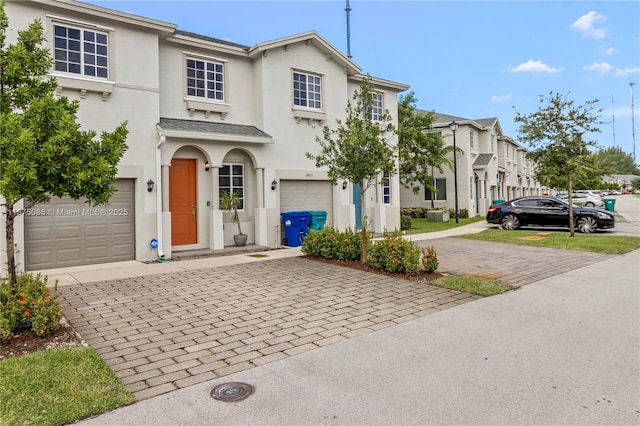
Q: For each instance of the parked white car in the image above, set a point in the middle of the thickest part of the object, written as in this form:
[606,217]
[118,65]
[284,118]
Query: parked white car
[584,199]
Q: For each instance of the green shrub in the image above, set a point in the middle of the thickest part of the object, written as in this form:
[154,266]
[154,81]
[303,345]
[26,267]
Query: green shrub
[394,254]
[462,213]
[405,221]
[28,308]
[332,244]
[430,259]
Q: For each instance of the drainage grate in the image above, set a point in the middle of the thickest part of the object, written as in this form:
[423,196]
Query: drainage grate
[232,391]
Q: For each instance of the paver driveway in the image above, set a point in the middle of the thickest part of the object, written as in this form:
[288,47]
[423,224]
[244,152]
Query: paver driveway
[163,332]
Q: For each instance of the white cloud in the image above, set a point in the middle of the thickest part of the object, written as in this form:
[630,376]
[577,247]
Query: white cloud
[500,98]
[600,67]
[627,71]
[587,25]
[535,67]
[609,51]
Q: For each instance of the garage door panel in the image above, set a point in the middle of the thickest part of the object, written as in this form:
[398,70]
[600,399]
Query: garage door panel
[73,233]
[67,255]
[122,250]
[122,229]
[297,195]
[93,253]
[39,234]
[67,232]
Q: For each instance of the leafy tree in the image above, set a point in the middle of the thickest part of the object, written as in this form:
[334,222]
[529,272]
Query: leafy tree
[635,184]
[43,152]
[421,150]
[358,149]
[615,161]
[556,133]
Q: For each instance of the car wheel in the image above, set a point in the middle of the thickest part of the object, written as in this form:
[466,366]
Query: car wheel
[590,204]
[510,222]
[587,225]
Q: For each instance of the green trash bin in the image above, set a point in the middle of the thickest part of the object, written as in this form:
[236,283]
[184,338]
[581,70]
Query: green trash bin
[500,201]
[610,204]
[318,219]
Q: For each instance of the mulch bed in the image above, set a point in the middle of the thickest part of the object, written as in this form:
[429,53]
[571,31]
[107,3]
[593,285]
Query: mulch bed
[64,337]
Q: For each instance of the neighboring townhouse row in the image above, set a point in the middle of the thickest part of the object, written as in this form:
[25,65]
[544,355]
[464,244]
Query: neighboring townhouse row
[492,167]
[623,181]
[205,116]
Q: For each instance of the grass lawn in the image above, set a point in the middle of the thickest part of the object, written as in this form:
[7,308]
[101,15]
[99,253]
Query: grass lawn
[58,386]
[421,225]
[473,285]
[613,244]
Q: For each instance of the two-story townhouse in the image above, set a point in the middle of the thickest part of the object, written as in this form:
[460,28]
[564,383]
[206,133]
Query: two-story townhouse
[475,164]
[491,166]
[205,116]
[107,61]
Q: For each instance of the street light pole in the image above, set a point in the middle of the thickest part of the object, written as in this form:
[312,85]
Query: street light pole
[454,127]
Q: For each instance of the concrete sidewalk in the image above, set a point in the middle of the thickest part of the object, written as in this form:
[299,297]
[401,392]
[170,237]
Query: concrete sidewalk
[560,351]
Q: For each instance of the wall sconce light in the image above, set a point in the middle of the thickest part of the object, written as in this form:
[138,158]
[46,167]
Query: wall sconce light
[344,184]
[206,166]
[150,184]
[274,185]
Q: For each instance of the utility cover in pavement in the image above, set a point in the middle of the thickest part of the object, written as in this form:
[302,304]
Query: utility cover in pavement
[232,391]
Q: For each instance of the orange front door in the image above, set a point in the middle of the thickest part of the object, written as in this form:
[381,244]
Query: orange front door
[182,202]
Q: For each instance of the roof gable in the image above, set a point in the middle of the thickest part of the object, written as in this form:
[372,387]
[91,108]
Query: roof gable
[310,38]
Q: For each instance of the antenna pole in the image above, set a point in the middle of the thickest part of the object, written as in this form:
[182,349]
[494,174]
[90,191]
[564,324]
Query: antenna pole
[613,121]
[633,125]
[348,10]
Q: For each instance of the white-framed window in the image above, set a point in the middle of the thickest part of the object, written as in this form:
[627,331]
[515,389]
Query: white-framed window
[386,189]
[441,190]
[471,132]
[78,50]
[374,112]
[205,79]
[231,179]
[307,90]
[493,137]
[471,188]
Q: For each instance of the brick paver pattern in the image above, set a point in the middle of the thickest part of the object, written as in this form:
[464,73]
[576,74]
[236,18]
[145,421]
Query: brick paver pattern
[163,332]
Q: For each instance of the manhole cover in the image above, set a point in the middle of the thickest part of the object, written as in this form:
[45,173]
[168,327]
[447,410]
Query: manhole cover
[231,392]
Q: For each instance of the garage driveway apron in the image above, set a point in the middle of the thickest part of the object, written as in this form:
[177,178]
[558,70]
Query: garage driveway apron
[163,332]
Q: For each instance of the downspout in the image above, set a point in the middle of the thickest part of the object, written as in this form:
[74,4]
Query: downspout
[159,192]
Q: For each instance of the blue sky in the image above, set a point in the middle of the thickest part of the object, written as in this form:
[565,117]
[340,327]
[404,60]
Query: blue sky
[474,59]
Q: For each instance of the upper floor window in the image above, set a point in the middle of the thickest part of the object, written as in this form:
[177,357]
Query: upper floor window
[386,189]
[205,79]
[81,51]
[306,90]
[374,112]
[493,137]
[231,179]
[471,132]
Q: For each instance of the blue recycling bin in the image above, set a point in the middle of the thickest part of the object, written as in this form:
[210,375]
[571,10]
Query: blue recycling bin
[318,219]
[296,226]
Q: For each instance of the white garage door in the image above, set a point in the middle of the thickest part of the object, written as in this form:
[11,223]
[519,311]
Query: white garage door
[298,195]
[66,232]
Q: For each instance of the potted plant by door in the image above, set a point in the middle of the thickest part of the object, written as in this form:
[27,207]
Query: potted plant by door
[230,202]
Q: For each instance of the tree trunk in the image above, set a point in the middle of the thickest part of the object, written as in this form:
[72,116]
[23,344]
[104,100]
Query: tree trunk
[11,252]
[363,231]
[570,199]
